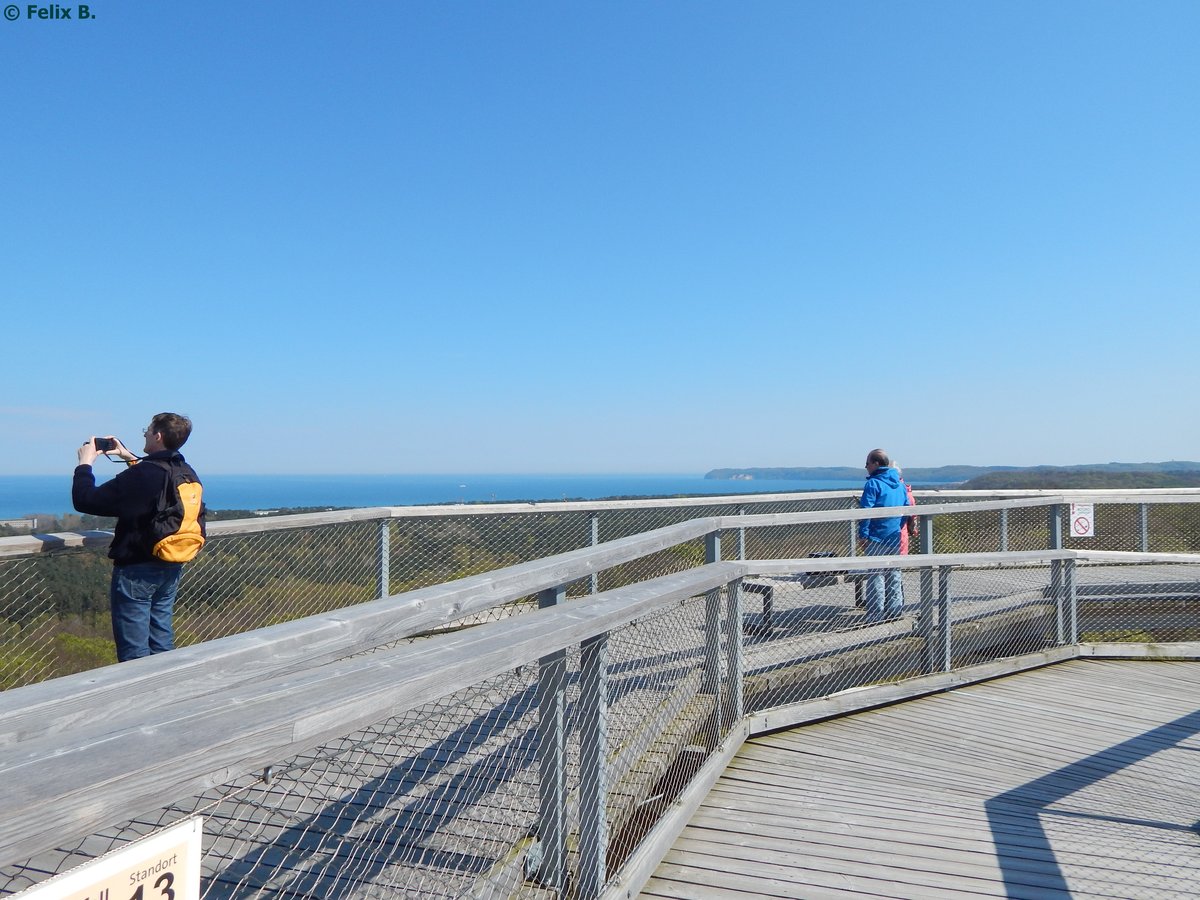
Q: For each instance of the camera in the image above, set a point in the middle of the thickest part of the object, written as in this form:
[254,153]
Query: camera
[104,445]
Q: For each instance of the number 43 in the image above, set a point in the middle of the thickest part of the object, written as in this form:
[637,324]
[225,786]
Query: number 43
[164,882]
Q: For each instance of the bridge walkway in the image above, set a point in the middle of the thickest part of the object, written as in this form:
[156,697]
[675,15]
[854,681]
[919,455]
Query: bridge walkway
[1074,780]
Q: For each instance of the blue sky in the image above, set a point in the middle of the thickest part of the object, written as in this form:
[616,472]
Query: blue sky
[603,237]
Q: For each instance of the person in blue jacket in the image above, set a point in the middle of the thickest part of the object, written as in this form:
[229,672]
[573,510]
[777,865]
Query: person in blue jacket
[881,537]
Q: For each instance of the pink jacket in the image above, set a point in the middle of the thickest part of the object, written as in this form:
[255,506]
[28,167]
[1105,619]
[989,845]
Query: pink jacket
[912,522]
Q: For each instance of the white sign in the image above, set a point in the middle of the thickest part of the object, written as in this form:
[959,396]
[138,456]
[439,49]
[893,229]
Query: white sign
[1083,521]
[163,866]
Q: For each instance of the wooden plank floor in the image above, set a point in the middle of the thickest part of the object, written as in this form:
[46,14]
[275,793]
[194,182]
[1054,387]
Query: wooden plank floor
[1080,779]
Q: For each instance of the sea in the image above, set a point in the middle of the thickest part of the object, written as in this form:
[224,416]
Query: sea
[25,495]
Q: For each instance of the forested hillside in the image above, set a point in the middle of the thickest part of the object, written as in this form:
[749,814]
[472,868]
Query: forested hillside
[1004,476]
[1073,479]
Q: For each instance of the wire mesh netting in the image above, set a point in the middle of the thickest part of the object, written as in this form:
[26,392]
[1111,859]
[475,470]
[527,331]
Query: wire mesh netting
[1147,602]
[512,784]
[421,804]
[991,531]
[664,718]
[449,797]
[28,643]
[244,582]
[952,616]
[54,606]
[433,550]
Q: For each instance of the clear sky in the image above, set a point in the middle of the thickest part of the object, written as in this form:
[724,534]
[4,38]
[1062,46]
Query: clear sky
[651,236]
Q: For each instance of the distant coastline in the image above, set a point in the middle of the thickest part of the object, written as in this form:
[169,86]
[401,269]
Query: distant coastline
[25,495]
[940,475]
[1173,473]
[50,495]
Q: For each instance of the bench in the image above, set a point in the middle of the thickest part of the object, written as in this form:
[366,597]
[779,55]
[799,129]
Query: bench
[804,579]
[767,592]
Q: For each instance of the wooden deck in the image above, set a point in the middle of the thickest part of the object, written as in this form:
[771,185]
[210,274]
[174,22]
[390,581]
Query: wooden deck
[1074,780]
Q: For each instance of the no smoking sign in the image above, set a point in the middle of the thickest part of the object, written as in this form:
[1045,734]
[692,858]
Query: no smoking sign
[1083,520]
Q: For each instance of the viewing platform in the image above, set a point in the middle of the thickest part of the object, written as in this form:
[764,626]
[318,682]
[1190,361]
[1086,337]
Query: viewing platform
[588,700]
[1073,780]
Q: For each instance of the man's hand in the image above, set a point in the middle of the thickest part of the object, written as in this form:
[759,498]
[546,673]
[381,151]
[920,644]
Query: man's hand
[87,453]
[862,545]
[123,451]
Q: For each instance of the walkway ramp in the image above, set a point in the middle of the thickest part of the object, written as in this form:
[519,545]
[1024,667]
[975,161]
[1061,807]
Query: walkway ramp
[1074,780]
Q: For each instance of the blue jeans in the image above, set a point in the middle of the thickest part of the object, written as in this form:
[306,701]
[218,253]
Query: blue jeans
[884,590]
[142,599]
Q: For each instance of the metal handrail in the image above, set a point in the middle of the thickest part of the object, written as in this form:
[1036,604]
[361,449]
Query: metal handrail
[26,545]
[191,738]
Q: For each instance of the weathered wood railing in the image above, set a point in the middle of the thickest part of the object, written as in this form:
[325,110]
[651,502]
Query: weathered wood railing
[260,571]
[108,757]
[85,750]
[33,544]
[294,646]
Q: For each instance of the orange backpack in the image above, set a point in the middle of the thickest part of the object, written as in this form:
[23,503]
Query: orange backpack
[177,527]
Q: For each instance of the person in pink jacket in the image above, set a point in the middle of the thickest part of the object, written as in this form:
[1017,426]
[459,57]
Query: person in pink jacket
[909,531]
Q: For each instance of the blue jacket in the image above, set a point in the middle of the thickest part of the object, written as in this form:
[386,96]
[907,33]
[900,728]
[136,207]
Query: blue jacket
[883,488]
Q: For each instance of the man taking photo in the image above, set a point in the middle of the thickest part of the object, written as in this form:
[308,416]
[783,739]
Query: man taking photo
[143,587]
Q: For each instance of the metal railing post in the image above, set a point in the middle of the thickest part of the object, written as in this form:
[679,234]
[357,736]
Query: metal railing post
[1145,523]
[594,578]
[384,559]
[712,547]
[1071,602]
[925,621]
[552,758]
[741,551]
[593,767]
[1060,612]
[945,622]
[735,701]
[1056,521]
[1056,543]
[853,539]
[926,537]
[712,621]
[1004,531]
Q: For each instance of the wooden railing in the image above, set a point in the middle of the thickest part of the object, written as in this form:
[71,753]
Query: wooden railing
[82,752]
[26,545]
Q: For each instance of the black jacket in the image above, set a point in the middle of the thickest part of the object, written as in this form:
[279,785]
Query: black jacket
[131,497]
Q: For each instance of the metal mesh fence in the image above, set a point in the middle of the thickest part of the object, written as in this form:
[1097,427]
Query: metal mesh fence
[426,551]
[450,798]
[664,719]
[244,582]
[1173,528]
[992,531]
[27,638]
[1131,527]
[1143,603]
[797,625]
[807,635]
[421,804]
[992,613]
[447,800]
[53,607]
[795,541]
